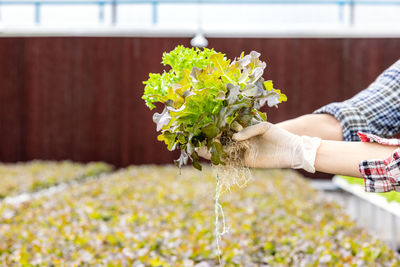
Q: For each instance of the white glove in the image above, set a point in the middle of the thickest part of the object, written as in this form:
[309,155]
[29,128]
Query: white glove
[273,147]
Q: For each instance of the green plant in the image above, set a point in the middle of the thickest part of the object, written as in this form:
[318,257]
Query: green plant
[36,175]
[207,98]
[151,216]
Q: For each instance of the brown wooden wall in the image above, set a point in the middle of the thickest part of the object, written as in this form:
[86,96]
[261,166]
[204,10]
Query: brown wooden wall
[79,98]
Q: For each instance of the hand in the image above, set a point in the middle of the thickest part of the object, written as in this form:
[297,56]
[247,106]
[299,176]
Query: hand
[273,147]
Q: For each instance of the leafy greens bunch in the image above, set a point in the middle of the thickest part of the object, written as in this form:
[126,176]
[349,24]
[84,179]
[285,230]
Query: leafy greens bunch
[207,99]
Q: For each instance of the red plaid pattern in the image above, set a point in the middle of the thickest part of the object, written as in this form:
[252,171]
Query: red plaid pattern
[381,175]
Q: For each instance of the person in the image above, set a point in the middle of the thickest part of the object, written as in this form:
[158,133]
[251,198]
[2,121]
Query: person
[348,138]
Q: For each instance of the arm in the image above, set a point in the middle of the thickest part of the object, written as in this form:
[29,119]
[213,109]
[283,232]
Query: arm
[337,157]
[329,127]
[374,110]
[274,147]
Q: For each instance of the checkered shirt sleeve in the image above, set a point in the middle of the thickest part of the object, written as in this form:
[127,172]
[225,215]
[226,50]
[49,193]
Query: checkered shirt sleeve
[381,175]
[374,110]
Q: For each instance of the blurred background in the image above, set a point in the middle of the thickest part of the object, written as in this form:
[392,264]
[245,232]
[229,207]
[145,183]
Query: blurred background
[71,71]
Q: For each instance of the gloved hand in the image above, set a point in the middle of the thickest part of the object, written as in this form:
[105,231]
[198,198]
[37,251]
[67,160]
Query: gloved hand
[274,147]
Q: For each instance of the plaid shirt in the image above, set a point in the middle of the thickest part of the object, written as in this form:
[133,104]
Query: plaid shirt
[381,175]
[374,110]
[371,113]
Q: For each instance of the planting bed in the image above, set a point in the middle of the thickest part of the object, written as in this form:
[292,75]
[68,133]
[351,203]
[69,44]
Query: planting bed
[152,216]
[389,196]
[379,212]
[32,176]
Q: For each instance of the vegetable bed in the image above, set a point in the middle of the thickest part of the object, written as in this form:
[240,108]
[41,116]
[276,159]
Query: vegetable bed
[32,176]
[379,212]
[152,216]
[389,196]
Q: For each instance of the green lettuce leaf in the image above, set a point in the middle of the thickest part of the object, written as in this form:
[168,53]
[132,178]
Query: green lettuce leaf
[206,96]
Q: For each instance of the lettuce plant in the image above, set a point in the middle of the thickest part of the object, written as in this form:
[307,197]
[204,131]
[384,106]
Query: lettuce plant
[207,98]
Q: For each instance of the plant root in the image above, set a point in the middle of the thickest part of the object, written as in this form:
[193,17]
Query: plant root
[233,173]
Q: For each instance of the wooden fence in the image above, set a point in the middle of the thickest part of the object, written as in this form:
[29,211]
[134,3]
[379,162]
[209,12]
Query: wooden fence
[79,98]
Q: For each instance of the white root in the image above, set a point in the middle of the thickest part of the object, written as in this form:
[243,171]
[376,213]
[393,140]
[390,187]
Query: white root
[233,173]
[219,212]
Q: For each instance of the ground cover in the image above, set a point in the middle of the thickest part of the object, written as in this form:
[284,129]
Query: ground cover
[34,175]
[390,196]
[154,216]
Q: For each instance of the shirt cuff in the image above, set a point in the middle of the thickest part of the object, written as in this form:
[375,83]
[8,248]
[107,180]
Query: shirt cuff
[381,176]
[349,117]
